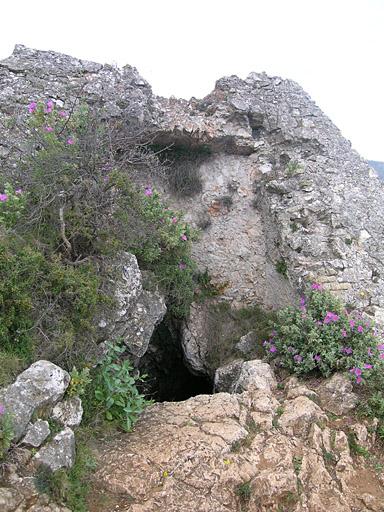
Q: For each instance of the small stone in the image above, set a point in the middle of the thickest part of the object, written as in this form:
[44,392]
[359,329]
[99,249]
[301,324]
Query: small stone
[60,452]
[37,433]
[336,395]
[255,375]
[69,412]
[226,376]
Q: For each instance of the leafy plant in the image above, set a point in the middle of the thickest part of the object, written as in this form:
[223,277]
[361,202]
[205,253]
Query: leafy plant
[116,391]
[12,204]
[6,431]
[79,381]
[244,491]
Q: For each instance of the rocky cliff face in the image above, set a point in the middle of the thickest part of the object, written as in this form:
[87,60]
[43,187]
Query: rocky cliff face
[279,188]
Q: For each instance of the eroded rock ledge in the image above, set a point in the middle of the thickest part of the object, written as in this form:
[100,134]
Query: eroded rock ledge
[265,449]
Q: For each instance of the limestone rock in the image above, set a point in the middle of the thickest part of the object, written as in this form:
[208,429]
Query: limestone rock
[42,384]
[69,412]
[226,376]
[336,394]
[247,343]
[37,433]
[299,414]
[58,453]
[255,375]
[137,312]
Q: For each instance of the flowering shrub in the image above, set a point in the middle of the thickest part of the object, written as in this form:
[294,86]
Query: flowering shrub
[6,431]
[320,334]
[12,203]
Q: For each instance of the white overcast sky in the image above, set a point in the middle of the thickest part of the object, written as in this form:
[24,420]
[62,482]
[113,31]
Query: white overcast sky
[332,48]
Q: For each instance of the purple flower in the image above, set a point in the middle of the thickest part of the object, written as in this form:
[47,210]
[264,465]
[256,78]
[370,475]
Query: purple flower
[63,114]
[357,371]
[32,107]
[290,349]
[344,333]
[272,348]
[3,198]
[184,237]
[368,366]
[298,358]
[351,324]
[265,343]
[48,129]
[302,301]
[359,380]
[360,328]
[48,107]
[316,286]
[369,351]
[346,350]
[70,141]
[380,346]
[317,358]
[381,356]
[174,220]
[2,409]
[182,265]
[18,191]
[148,191]
[331,317]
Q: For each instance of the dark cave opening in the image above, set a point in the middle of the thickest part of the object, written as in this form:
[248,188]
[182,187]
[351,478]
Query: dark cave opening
[168,377]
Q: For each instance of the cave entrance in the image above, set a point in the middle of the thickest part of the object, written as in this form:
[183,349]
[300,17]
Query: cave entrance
[168,377]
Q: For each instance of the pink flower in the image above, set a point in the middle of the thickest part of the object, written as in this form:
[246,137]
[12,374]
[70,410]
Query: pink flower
[316,286]
[380,346]
[70,141]
[184,237]
[381,356]
[32,107]
[18,191]
[330,317]
[360,328]
[148,191]
[368,366]
[357,371]
[48,129]
[48,107]
[298,358]
[273,348]
[174,220]
[351,324]
[302,301]
[359,380]
[63,114]
[3,198]
[2,409]
[347,350]
[344,333]
[317,358]
[369,351]
[182,265]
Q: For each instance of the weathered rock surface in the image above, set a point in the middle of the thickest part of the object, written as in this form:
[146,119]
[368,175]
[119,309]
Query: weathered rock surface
[278,180]
[137,311]
[257,450]
[37,433]
[69,412]
[336,395]
[58,453]
[42,384]
[240,376]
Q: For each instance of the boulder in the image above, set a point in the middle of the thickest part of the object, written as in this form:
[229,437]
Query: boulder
[69,412]
[255,375]
[37,433]
[42,384]
[336,394]
[58,453]
[137,311]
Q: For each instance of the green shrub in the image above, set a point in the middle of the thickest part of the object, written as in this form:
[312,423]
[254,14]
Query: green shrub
[79,382]
[6,431]
[322,335]
[115,390]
